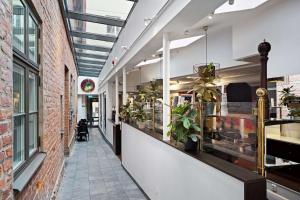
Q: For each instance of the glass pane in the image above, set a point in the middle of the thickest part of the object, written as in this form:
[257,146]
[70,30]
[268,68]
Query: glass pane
[32,39]
[18,85]
[32,92]
[112,8]
[18,156]
[18,25]
[93,42]
[32,133]
[96,28]
[92,52]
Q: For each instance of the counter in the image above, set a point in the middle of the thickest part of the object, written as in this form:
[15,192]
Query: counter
[165,171]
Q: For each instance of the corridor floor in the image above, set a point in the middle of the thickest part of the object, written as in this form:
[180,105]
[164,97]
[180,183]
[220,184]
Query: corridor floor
[93,172]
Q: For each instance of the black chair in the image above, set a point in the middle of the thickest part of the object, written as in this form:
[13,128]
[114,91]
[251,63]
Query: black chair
[82,131]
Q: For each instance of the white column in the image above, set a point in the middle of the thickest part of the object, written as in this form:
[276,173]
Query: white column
[102,112]
[124,86]
[166,86]
[117,99]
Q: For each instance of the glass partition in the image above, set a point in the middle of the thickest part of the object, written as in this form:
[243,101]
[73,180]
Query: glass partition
[230,132]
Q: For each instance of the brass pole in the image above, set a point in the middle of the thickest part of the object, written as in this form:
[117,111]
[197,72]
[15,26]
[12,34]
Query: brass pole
[262,94]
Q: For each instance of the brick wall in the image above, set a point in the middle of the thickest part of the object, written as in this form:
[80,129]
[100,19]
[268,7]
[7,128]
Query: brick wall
[5,100]
[55,55]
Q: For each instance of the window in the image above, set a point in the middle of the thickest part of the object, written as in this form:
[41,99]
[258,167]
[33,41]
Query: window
[25,32]
[19,25]
[25,85]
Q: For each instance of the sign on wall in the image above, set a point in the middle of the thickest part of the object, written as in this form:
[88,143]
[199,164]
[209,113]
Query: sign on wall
[87,85]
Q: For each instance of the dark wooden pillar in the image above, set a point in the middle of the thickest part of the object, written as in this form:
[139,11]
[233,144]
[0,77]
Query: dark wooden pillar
[264,48]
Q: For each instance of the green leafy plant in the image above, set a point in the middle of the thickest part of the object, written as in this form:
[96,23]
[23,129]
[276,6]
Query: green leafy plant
[204,86]
[286,94]
[153,93]
[139,114]
[183,123]
[126,112]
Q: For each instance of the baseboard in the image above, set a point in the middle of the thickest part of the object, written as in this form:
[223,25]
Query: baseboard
[58,182]
[136,183]
[105,139]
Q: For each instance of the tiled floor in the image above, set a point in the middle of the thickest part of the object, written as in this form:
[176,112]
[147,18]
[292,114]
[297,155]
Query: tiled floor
[93,172]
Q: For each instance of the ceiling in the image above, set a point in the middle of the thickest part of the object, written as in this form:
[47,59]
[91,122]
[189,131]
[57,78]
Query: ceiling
[93,28]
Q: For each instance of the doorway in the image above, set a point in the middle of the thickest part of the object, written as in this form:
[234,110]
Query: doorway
[92,111]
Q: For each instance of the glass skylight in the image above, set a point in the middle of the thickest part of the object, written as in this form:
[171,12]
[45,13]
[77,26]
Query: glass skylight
[94,26]
[175,44]
[239,5]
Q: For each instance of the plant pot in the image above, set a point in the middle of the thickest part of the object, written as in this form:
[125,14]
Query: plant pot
[190,145]
[141,125]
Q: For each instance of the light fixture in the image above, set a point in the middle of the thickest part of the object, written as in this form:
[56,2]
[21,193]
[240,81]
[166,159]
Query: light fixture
[125,48]
[147,21]
[175,44]
[238,5]
[210,16]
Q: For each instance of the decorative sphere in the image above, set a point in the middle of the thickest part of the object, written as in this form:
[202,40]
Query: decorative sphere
[264,48]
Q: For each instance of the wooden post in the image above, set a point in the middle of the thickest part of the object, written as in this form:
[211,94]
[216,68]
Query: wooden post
[264,48]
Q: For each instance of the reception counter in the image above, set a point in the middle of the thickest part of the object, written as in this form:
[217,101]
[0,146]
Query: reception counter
[166,172]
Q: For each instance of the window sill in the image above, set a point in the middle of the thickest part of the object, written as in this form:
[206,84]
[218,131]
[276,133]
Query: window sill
[24,178]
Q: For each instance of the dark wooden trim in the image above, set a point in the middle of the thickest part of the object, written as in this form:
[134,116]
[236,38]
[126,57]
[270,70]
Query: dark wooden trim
[136,183]
[117,139]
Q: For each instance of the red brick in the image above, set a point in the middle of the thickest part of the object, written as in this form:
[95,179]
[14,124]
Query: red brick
[7,165]
[3,128]
[7,140]
[9,152]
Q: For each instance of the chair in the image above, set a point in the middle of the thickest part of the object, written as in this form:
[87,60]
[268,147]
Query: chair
[82,131]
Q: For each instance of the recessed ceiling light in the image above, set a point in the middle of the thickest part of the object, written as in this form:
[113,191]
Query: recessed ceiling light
[210,16]
[239,5]
[175,44]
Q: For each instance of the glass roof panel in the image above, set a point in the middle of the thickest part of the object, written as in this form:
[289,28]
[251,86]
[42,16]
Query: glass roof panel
[90,27]
[95,25]
[92,52]
[112,8]
[90,59]
[93,42]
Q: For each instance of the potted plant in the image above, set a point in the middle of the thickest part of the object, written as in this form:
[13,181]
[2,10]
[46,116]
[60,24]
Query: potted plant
[139,114]
[153,93]
[289,99]
[126,112]
[286,95]
[205,88]
[183,126]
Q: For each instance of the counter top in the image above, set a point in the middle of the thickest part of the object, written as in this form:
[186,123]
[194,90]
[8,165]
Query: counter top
[235,171]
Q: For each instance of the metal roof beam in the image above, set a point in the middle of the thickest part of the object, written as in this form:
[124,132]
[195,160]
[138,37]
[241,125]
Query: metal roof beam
[95,18]
[94,36]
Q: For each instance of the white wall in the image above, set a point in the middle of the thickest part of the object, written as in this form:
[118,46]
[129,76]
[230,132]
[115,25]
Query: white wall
[81,114]
[279,25]
[165,173]
[183,59]
[80,91]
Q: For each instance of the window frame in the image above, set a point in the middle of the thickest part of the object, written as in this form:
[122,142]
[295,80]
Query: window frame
[22,60]
[25,56]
